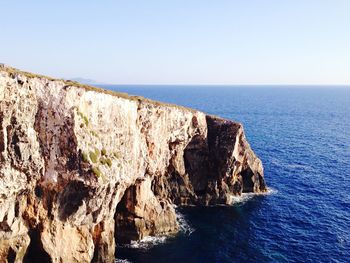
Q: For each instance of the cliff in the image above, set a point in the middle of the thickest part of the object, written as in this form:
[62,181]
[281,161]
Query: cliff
[83,168]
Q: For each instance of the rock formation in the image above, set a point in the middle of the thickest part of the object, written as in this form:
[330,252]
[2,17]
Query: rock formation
[82,168]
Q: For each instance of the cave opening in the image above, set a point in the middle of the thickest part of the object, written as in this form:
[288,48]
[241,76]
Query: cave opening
[196,157]
[247,177]
[125,229]
[36,252]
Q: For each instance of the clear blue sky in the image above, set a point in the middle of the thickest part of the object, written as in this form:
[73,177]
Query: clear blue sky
[180,41]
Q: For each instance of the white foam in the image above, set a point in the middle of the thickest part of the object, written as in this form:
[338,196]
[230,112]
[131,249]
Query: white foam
[151,241]
[244,197]
[270,191]
[143,244]
[147,242]
[234,199]
[184,225]
[119,260]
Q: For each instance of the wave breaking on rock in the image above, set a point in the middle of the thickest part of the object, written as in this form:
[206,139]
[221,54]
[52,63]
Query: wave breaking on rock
[82,168]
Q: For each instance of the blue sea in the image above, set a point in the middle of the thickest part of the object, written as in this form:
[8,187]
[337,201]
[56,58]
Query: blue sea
[302,135]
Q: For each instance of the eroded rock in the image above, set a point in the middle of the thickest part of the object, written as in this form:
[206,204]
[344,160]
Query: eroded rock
[81,168]
[140,213]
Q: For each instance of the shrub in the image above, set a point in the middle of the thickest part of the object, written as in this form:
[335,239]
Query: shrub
[96,171]
[94,133]
[109,162]
[85,119]
[106,161]
[93,156]
[117,155]
[103,151]
[85,157]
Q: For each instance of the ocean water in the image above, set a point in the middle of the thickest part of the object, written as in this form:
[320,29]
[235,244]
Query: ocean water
[302,136]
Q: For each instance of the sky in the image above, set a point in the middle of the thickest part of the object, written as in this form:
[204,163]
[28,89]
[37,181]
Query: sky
[180,41]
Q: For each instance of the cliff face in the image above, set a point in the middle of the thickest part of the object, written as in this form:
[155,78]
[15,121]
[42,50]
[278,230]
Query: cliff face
[81,169]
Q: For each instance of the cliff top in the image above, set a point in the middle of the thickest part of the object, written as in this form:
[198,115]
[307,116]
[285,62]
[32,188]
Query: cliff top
[14,71]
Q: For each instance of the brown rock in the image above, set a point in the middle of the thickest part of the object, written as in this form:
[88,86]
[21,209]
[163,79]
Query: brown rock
[82,167]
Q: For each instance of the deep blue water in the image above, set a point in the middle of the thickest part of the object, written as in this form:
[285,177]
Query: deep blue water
[302,136]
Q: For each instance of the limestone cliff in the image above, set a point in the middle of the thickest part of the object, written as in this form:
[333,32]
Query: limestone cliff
[82,168]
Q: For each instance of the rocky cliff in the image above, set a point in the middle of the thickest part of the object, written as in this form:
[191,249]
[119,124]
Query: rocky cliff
[83,168]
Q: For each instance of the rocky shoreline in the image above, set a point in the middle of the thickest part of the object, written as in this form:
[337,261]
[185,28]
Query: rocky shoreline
[83,168]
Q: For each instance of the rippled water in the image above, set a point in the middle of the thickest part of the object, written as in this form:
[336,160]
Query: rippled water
[302,136]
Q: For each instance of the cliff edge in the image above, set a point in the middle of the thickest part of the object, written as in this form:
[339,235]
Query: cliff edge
[83,168]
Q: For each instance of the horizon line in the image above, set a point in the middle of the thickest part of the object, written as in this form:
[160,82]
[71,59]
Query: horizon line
[227,85]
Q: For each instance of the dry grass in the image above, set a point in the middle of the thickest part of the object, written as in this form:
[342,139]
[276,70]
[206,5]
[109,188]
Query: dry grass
[69,83]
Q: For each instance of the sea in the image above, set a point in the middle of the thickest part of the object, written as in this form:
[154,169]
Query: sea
[302,135]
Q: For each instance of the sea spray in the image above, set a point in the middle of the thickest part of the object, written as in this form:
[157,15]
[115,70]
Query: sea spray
[185,227]
[151,241]
[119,260]
[244,197]
[147,242]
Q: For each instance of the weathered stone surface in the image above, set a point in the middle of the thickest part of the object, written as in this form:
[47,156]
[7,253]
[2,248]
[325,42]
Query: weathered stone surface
[141,213]
[81,168]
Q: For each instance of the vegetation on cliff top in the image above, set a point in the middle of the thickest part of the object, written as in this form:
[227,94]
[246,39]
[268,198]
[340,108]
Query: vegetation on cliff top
[68,83]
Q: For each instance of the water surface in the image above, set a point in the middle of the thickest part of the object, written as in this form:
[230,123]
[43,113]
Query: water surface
[302,136]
